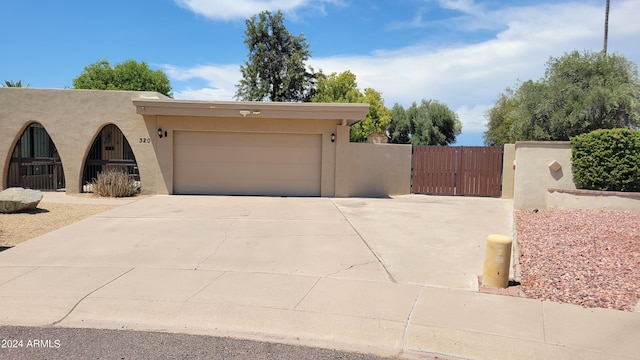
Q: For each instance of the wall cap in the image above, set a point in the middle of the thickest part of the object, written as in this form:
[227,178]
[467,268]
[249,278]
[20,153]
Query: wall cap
[540,144]
[632,195]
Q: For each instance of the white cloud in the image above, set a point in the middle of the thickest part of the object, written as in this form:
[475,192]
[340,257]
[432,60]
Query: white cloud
[469,76]
[242,9]
[217,94]
[473,119]
[221,80]
[466,77]
[465,6]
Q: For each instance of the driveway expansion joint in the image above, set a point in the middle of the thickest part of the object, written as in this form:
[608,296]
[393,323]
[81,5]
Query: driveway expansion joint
[34,268]
[206,286]
[295,308]
[378,257]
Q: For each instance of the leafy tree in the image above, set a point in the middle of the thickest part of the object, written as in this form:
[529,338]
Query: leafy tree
[275,69]
[579,93]
[400,125]
[377,119]
[10,83]
[521,114]
[430,123]
[501,120]
[340,88]
[129,75]
[343,88]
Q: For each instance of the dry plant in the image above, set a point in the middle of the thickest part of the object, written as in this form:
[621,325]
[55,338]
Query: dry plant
[114,183]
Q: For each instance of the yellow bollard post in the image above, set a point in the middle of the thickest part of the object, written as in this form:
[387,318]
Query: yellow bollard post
[497,261]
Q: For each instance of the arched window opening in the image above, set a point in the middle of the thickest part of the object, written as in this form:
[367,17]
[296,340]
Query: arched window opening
[110,151]
[35,163]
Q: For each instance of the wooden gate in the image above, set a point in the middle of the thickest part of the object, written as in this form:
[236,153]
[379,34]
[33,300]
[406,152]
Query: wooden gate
[459,170]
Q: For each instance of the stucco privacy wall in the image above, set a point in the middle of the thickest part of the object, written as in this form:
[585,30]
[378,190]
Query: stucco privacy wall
[375,170]
[73,118]
[534,175]
[591,199]
[508,170]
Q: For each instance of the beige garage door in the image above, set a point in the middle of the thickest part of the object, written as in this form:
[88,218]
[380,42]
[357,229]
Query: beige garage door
[227,163]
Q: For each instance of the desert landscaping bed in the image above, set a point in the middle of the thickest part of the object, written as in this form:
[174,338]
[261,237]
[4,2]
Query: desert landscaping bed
[18,227]
[583,257]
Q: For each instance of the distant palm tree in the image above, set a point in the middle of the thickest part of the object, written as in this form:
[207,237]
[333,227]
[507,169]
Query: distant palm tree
[606,27]
[9,83]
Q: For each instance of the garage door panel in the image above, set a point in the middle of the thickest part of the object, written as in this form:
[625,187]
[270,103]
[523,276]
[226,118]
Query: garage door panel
[255,172]
[232,154]
[268,188]
[247,163]
[225,139]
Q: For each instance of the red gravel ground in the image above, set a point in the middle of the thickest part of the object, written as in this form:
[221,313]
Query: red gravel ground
[584,257]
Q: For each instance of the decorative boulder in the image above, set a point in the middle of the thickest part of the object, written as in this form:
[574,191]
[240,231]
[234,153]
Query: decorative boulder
[18,199]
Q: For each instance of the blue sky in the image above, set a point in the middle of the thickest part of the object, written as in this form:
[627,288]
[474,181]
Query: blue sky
[460,52]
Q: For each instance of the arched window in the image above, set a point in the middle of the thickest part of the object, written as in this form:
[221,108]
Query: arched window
[110,151]
[35,163]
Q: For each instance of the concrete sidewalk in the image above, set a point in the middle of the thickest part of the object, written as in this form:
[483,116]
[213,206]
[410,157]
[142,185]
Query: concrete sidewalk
[369,275]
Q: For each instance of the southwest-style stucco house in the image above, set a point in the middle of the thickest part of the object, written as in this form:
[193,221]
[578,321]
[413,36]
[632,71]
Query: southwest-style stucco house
[60,139]
[53,139]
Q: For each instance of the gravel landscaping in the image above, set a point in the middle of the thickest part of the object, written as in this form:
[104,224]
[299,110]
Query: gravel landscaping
[19,227]
[583,257]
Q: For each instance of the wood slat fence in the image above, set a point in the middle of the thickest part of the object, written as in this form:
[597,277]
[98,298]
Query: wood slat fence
[457,170]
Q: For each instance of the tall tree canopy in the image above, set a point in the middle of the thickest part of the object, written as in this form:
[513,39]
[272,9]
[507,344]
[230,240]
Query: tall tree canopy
[340,88]
[579,93]
[129,75]
[430,123]
[343,88]
[275,69]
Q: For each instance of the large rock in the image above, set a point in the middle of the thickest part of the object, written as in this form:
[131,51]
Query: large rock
[18,199]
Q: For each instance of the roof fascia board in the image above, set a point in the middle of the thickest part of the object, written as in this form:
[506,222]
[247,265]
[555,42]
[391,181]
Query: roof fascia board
[329,111]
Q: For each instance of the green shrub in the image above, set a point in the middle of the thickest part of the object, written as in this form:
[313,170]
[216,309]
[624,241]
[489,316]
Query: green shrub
[114,183]
[607,160]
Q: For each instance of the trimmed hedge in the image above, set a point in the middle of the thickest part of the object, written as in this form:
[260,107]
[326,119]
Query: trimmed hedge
[607,160]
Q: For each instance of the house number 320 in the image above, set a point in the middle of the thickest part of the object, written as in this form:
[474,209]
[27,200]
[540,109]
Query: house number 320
[145,140]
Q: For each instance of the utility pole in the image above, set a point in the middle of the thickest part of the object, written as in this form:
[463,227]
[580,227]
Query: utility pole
[606,27]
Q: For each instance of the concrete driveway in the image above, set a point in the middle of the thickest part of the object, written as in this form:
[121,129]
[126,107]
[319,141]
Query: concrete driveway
[419,240]
[386,276]
[429,240]
[342,273]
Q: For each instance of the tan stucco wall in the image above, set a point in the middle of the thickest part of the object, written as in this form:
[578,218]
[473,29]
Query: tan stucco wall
[532,173]
[73,118]
[508,170]
[375,170]
[589,199]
